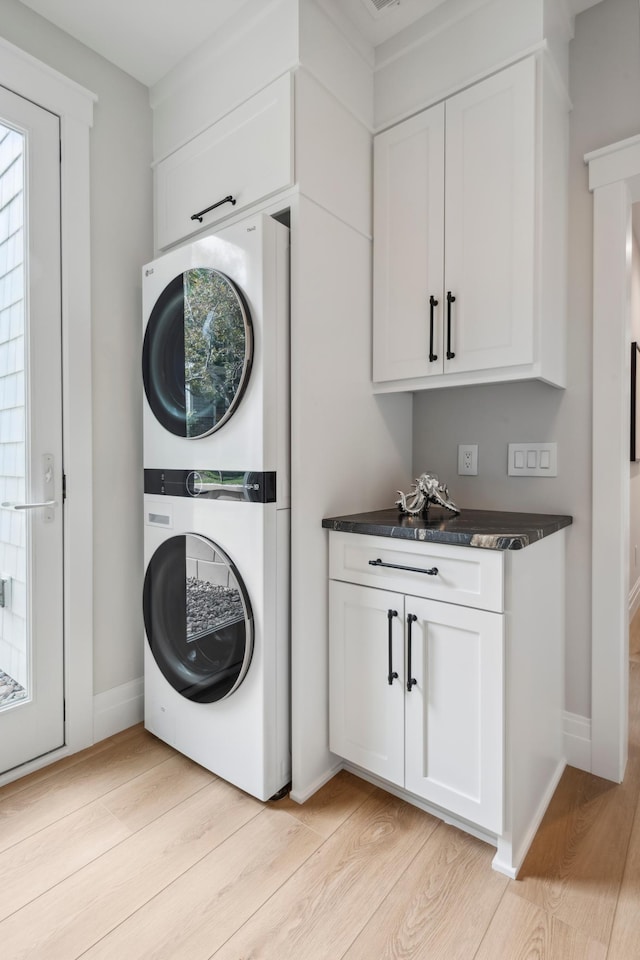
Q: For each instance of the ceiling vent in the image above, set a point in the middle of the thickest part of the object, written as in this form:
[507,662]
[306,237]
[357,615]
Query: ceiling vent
[377,7]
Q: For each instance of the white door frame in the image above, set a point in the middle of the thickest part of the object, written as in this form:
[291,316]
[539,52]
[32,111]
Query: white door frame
[614,178]
[28,77]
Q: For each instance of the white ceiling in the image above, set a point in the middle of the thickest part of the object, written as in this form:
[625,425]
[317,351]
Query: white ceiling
[146,38]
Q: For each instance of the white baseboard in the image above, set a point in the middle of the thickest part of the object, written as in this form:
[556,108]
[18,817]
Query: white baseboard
[301,796]
[577,741]
[634,599]
[118,708]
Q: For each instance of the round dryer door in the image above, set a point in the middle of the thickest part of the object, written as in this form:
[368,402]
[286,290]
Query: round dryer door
[198,618]
[197,353]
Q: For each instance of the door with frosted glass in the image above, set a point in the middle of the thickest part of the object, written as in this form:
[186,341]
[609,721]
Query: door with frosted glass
[31,525]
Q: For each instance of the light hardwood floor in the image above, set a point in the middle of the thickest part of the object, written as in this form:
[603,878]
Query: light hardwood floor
[130,851]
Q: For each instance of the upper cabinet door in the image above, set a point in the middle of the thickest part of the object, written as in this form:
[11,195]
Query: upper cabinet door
[490,221]
[245,156]
[408,248]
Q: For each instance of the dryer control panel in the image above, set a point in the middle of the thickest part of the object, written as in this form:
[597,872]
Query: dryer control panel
[250,485]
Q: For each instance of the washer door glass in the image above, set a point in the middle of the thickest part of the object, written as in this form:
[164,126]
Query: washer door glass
[197,353]
[198,618]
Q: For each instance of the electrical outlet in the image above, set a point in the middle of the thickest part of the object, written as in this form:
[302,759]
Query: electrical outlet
[468,459]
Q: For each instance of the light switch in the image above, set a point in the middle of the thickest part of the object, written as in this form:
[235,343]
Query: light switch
[533,460]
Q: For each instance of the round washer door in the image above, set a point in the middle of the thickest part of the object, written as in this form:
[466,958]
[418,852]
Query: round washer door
[197,353]
[198,618]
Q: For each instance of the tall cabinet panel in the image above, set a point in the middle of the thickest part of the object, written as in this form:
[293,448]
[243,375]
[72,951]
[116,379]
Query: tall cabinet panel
[408,249]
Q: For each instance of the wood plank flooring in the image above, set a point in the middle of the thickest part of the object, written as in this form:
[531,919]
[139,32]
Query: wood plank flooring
[130,851]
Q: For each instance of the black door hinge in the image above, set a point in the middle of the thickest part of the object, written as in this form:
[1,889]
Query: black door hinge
[64,486]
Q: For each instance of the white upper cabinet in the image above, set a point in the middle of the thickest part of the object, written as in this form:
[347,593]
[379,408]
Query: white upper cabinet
[460,198]
[245,156]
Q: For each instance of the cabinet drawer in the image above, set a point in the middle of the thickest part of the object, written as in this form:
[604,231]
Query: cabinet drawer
[247,155]
[468,576]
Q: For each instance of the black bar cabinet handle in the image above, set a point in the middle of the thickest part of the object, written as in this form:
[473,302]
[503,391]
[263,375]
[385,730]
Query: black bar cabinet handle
[411,681]
[431,572]
[432,303]
[450,299]
[200,215]
[392,675]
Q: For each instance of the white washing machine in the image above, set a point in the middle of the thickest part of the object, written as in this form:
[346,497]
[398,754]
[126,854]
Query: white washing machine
[216,615]
[215,355]
[216,482]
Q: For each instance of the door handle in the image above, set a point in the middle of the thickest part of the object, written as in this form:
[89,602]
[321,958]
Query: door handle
[29,506]
[450,299]
[392,675]
[411,681]
[47,487]
[432,303]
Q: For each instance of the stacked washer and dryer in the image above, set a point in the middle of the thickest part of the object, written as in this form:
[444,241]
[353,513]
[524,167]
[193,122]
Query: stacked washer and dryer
[217,503]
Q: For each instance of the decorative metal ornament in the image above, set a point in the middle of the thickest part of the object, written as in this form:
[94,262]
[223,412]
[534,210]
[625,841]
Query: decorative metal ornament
[426,489]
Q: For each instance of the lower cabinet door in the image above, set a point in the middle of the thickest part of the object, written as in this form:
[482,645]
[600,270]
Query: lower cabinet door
[366,706]
[454,711]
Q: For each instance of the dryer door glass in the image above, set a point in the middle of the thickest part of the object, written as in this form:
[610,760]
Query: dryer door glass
[197,353]
[198,618]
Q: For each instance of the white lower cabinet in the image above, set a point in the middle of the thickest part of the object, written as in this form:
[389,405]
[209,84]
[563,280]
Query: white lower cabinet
[417,696]
[448,688]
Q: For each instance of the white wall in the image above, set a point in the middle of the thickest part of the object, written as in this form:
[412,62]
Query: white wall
[121,241]
[604,85]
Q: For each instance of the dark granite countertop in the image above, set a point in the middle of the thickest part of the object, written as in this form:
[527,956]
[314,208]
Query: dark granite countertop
[490,529]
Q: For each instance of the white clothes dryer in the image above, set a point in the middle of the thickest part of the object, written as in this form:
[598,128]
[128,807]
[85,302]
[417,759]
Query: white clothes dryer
[215,354]
[217,635]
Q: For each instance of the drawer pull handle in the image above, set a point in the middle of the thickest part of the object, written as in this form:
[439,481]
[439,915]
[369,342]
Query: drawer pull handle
[392,675]
[431,572]
[200,215]
[411,681]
